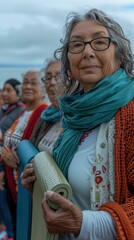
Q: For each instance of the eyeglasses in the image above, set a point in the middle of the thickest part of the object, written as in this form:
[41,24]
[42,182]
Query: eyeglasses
[97,44]
[32,83]
[48,78]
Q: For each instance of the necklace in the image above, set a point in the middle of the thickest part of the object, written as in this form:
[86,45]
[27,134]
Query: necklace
[85,135]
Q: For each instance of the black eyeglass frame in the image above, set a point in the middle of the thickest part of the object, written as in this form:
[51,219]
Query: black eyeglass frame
[89,42]
[45,80]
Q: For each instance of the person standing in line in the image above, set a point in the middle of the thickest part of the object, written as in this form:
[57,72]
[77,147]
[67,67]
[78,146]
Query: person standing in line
[1,99]
[48,126]
[95,151]
[10,110]
[32,94]
[45,132]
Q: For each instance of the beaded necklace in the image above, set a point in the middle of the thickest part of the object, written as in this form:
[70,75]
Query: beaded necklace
[85,135]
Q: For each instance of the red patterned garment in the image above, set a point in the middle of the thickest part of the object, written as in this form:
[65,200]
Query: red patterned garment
[26,135]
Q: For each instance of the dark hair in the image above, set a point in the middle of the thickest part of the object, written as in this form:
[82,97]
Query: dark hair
[123,49]
[15,84]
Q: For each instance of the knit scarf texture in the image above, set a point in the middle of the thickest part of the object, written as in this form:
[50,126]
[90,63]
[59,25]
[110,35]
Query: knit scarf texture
[51,114]
[86,110]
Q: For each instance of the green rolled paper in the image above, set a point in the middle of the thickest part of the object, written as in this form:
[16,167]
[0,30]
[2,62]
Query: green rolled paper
[48,177]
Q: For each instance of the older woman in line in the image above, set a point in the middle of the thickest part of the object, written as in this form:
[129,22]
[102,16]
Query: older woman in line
[45,133]
[96,148]
[48,126]
[32,94]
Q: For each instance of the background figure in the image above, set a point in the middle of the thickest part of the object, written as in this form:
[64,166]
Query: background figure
[45,133]
[43,137]
[10,110]
[48,127]
[12,104]
[95,151]
[1,222]
[1,99]
[32,95]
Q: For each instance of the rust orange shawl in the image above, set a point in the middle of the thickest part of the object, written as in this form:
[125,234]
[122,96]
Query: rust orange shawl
[122,210]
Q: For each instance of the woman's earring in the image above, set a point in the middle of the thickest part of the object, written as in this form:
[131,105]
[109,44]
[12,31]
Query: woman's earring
[70,76]
[119,64]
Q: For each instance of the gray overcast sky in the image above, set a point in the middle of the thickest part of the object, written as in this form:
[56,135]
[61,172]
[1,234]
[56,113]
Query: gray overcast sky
[31,30]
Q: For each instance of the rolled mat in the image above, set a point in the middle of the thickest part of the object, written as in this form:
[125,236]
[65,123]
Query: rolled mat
[48,177]
[26,151]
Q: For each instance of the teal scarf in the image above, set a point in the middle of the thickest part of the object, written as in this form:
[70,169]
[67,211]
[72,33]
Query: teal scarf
[85,111]
[51,114]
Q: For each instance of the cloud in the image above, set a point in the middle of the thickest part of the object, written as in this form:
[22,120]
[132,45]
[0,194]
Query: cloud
[31,30]
[32,40]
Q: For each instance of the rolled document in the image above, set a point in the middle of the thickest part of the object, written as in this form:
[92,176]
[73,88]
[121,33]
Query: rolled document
[48,177]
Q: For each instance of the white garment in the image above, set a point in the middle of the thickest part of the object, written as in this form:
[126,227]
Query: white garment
[91,175]
[12,139]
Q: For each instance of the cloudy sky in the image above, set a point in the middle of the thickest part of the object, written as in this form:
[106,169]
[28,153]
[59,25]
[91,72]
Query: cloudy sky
[31,30]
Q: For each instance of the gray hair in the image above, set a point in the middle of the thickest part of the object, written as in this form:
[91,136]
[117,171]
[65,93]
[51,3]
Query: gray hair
[38,76]
[123,50]
[50,62]
[67,87]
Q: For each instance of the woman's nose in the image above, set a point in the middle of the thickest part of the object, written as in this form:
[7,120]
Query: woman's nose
[28,85]
[53,81]
[88,51]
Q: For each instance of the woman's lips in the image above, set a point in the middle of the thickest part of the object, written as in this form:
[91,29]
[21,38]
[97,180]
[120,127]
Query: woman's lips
[89,68]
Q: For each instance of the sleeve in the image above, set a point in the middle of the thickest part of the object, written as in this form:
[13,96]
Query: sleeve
[123,216]
[8,120]
[97,225]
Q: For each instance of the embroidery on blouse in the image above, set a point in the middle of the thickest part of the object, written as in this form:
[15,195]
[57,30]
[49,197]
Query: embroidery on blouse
[102,178]
[111,139]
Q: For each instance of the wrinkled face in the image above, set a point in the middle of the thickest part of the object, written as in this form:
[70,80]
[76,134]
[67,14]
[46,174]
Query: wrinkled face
[9,94]
[52,79]
[90,66]
[31,90]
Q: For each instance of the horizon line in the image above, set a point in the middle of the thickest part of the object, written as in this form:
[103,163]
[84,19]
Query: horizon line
[5,65]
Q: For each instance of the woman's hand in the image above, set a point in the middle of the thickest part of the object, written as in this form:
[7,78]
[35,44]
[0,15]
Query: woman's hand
[67,219]
[28,177]
[10,157]
[2,180]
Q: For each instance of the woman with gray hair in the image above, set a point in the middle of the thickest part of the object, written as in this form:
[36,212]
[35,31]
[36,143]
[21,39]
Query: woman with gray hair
[32,95]
[95,151]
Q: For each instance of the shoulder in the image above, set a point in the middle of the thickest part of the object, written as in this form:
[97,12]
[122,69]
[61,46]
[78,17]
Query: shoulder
[129,106]
[124,121]
[40,108]
[126,113]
